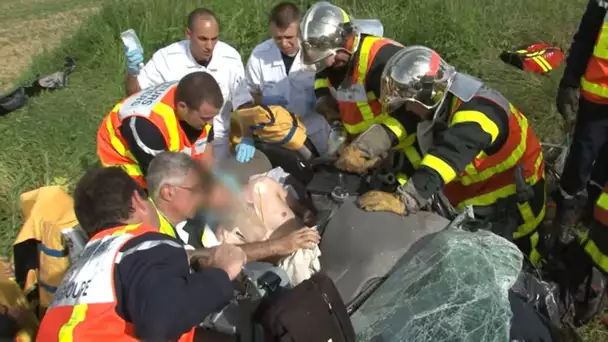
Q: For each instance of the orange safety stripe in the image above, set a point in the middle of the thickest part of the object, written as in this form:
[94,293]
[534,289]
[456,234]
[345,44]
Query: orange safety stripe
[594,83]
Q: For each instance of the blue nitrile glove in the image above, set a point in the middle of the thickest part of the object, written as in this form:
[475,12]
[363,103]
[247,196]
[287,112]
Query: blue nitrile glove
[245,150]
[275,100]
[228,180]
[134,60]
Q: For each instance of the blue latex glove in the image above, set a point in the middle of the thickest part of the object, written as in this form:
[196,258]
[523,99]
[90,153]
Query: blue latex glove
[274,101]
[245,150]
[135,58]
[228,180]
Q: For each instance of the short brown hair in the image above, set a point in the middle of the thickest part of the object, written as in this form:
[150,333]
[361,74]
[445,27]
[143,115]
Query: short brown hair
[283,14]
[197,88]
[102,199]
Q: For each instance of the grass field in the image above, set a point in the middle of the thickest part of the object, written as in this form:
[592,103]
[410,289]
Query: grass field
[53,140]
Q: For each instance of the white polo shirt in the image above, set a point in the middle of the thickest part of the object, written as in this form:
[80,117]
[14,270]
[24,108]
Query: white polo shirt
[175,61]
[266,74]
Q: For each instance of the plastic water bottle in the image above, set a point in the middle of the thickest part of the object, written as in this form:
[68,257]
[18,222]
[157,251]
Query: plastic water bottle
[132,43]
[370,26]
[337,137]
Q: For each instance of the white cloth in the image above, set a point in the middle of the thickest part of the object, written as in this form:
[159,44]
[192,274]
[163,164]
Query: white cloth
[266,74]
[175,61]
[302,264]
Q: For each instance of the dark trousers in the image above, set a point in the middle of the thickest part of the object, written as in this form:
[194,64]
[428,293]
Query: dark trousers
[589,146]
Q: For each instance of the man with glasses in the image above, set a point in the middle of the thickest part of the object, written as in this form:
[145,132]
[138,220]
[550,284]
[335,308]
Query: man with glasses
[171,116]
[180,189]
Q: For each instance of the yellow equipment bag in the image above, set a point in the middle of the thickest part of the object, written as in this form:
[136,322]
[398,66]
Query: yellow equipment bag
[12,296]
[270,124]
[40,255]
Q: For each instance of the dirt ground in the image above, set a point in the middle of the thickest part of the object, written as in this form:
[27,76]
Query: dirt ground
[31,26]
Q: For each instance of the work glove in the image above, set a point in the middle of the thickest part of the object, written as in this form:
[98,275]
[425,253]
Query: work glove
[352,159]
[567,103]
[245,150]
[274,100]
[404,202]
[134,61]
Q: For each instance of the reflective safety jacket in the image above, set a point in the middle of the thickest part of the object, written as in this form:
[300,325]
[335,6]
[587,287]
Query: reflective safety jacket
[359,109]
[156,104]
[594,83]
[84,306]
[595,241]
[484,179]
[41,254]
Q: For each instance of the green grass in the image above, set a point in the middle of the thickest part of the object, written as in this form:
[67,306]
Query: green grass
[53,139]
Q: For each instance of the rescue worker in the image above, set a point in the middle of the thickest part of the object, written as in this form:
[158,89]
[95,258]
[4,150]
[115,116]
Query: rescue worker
[168,177]
[132,282]
[348,67]
[482,152]
[201,51]
[173,116]
[583,91]
[275,74]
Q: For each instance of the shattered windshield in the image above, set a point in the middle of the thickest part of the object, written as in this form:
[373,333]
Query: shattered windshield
[454,288]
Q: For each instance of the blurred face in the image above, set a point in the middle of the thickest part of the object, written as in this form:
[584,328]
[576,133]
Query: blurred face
[286,39]
[219,198]
[197,118]
[203,37]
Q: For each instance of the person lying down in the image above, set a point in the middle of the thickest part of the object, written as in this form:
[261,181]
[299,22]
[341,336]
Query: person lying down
[266,211]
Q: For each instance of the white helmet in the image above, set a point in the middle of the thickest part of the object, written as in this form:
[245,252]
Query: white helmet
[415,74]
[325,30]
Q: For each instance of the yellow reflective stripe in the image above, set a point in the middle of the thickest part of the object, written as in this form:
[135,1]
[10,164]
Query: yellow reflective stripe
[535,257]
[531,222]
[126,229]
[602,201]
[542,62]
[487,125]
[132,170]
[345,17]
[472,176]
[114,141]
[506,191]
[364,107]
[413,156]
[601,49]
[66,333]
[169,117]
[165,227]
[600,259]
[446,172]
[396,127]
[594,88]
[321,83]
[401,178]
[364,125]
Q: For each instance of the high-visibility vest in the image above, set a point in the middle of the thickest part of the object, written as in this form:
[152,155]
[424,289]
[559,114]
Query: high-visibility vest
[598,250]
[359,109]
[47,212]
[157,105]
[600,212]
[84,306]
[594,83]
[489,178]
